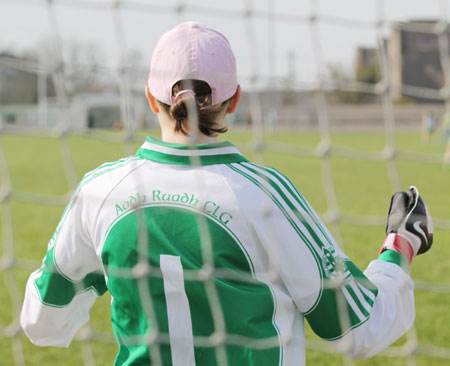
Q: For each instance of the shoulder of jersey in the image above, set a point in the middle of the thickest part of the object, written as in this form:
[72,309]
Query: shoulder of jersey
[271,183]
[109,170]
[259,172]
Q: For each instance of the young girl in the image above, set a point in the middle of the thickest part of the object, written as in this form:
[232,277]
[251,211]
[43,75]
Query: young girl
[209,258]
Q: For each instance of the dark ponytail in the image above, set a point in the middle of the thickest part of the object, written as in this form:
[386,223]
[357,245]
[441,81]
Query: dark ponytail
[201,100]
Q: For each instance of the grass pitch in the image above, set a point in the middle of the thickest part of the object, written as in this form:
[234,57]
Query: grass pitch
[362,187]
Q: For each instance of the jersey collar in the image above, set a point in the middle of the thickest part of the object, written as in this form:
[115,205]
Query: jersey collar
[203,154]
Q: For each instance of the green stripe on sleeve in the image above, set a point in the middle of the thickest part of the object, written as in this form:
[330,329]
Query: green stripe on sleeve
[370,290]
[57,290]
[105,168]
[352,302]
[282,180]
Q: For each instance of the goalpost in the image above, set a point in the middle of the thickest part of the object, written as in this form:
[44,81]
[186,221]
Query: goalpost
[65,117]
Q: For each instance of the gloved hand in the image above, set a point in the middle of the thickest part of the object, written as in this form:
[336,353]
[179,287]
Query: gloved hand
[409,228]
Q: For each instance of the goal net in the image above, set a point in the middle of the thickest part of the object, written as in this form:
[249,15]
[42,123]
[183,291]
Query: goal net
[347,99]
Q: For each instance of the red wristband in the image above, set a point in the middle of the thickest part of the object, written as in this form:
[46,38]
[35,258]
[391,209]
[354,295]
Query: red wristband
[399,244]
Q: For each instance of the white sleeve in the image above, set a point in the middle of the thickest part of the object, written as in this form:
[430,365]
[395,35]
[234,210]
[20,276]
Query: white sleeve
[358,313]
[391,316]
[60,293]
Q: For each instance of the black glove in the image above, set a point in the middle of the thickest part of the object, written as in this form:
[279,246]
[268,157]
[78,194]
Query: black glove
[408,222]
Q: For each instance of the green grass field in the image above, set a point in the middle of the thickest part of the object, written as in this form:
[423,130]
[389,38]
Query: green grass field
[362,188]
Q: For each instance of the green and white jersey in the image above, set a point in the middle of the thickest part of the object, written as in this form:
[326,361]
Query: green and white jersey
[210,260]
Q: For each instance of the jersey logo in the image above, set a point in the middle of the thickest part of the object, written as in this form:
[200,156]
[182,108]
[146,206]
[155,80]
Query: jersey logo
[334,266]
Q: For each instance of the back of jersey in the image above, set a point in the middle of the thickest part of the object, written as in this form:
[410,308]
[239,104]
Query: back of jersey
[180,263]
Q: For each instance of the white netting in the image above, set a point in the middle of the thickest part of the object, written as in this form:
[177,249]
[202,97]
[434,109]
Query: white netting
[268,31]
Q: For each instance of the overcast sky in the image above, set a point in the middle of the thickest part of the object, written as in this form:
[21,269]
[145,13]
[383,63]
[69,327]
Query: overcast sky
[261,45]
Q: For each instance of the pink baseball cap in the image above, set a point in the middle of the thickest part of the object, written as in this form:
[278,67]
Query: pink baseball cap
[192,51]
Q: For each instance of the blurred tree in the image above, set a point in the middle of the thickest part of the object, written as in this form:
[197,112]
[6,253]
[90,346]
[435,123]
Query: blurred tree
[82,63]
[76,68]
[19,79]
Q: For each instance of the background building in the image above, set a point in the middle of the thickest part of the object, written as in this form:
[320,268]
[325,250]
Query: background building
[415,60]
